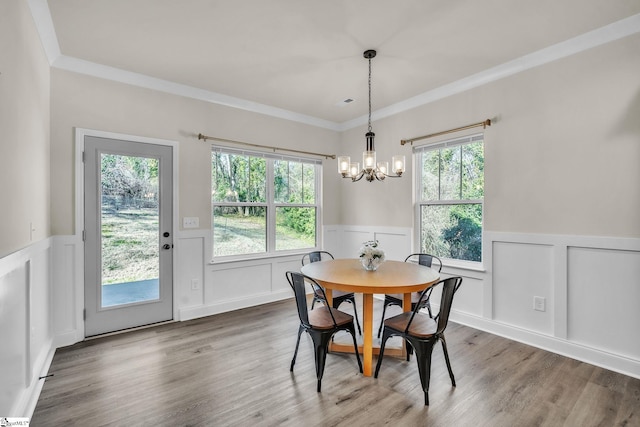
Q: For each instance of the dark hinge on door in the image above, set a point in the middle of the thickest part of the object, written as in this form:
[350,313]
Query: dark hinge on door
[84,235]
[84,314]
[83,157]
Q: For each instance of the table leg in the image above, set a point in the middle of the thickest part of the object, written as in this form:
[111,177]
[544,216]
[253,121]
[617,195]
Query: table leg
[406,304]
[367,349]
[329,294]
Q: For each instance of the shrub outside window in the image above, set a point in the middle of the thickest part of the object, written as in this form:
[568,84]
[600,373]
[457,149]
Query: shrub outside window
[263,203]
[450,194]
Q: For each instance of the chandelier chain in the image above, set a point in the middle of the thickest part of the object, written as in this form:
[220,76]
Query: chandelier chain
[369,95]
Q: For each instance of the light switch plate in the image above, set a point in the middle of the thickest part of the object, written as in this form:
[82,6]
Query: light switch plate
[190,222]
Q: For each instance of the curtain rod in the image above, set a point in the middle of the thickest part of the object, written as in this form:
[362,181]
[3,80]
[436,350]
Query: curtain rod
[444,132]
[206,137]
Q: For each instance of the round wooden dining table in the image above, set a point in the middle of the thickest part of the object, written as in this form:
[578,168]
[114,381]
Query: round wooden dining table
[391,277]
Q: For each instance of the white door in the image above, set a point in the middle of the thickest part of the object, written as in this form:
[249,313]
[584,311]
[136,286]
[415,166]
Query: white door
[128,234]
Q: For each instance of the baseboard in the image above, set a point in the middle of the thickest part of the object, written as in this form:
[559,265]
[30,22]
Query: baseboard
[27,402]
[189,313]
[612,362]
[67,338]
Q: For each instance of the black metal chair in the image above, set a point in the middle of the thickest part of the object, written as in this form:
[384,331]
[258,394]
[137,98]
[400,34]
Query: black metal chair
[422,332]
[321,323]
[396,299]
[338,296]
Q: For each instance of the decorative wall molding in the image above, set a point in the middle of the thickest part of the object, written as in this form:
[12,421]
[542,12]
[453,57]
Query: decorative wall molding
[590,283]
[26,334]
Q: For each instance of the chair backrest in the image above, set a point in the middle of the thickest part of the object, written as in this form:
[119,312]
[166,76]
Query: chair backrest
[426,260]
[315,256]
[297,283]
[449,288]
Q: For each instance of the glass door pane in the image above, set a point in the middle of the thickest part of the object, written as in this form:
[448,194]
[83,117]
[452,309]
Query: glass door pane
[129,230]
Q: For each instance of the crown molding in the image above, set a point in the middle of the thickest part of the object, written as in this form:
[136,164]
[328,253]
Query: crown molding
[141,80]
[44,24]
[615,31]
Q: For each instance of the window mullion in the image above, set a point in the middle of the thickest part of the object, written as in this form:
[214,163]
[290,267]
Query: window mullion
[271,210]
[460,193]
[439,174]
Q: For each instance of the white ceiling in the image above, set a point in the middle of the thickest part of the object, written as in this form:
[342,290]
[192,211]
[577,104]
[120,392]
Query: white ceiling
[299,59]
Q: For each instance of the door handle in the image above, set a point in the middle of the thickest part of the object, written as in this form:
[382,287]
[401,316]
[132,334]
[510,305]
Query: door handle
[166,246]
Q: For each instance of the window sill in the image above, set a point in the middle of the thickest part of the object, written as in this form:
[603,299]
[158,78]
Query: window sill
[464,265]
[261,257]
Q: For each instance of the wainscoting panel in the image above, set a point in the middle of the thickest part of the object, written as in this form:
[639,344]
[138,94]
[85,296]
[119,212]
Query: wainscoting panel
[469,297]
[331,238]
[13,336]
[352,239]
[346,241]
[40,314]
[395,245]
[520,273]
[26,335]
[67,290]
[604,299]
[280,267]
[233,281]
[190,271]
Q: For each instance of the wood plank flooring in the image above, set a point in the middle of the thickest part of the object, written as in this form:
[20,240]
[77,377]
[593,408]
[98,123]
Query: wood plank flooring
[232,369]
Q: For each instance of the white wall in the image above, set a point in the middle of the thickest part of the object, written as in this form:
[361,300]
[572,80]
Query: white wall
[24,130]
[25,246]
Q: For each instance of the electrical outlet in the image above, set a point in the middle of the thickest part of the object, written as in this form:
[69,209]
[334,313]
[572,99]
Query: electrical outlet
[539,303]
[190,222]
[195,284]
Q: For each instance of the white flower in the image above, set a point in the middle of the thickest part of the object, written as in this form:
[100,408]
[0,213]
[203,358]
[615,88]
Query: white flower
[370,250]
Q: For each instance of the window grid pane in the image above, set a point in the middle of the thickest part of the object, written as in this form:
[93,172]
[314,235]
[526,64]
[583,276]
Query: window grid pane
[452,231]
[239,230]
[295,228]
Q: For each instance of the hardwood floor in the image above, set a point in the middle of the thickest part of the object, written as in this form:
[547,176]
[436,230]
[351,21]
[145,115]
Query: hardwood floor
[232,369]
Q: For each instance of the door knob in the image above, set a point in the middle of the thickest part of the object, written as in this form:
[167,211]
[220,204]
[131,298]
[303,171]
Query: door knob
[166,246]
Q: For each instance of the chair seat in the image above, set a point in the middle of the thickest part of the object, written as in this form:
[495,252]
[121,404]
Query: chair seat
[415,297]
[320,318]
[422,326]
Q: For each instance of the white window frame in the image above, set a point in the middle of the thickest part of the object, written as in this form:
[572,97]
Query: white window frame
[419,203]
[271,205]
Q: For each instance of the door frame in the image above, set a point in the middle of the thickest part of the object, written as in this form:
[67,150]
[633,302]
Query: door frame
[80,134]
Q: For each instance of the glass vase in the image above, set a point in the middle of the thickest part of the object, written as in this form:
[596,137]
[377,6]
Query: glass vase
[370,264]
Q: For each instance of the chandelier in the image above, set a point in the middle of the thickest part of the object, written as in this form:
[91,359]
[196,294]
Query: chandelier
[370,169]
